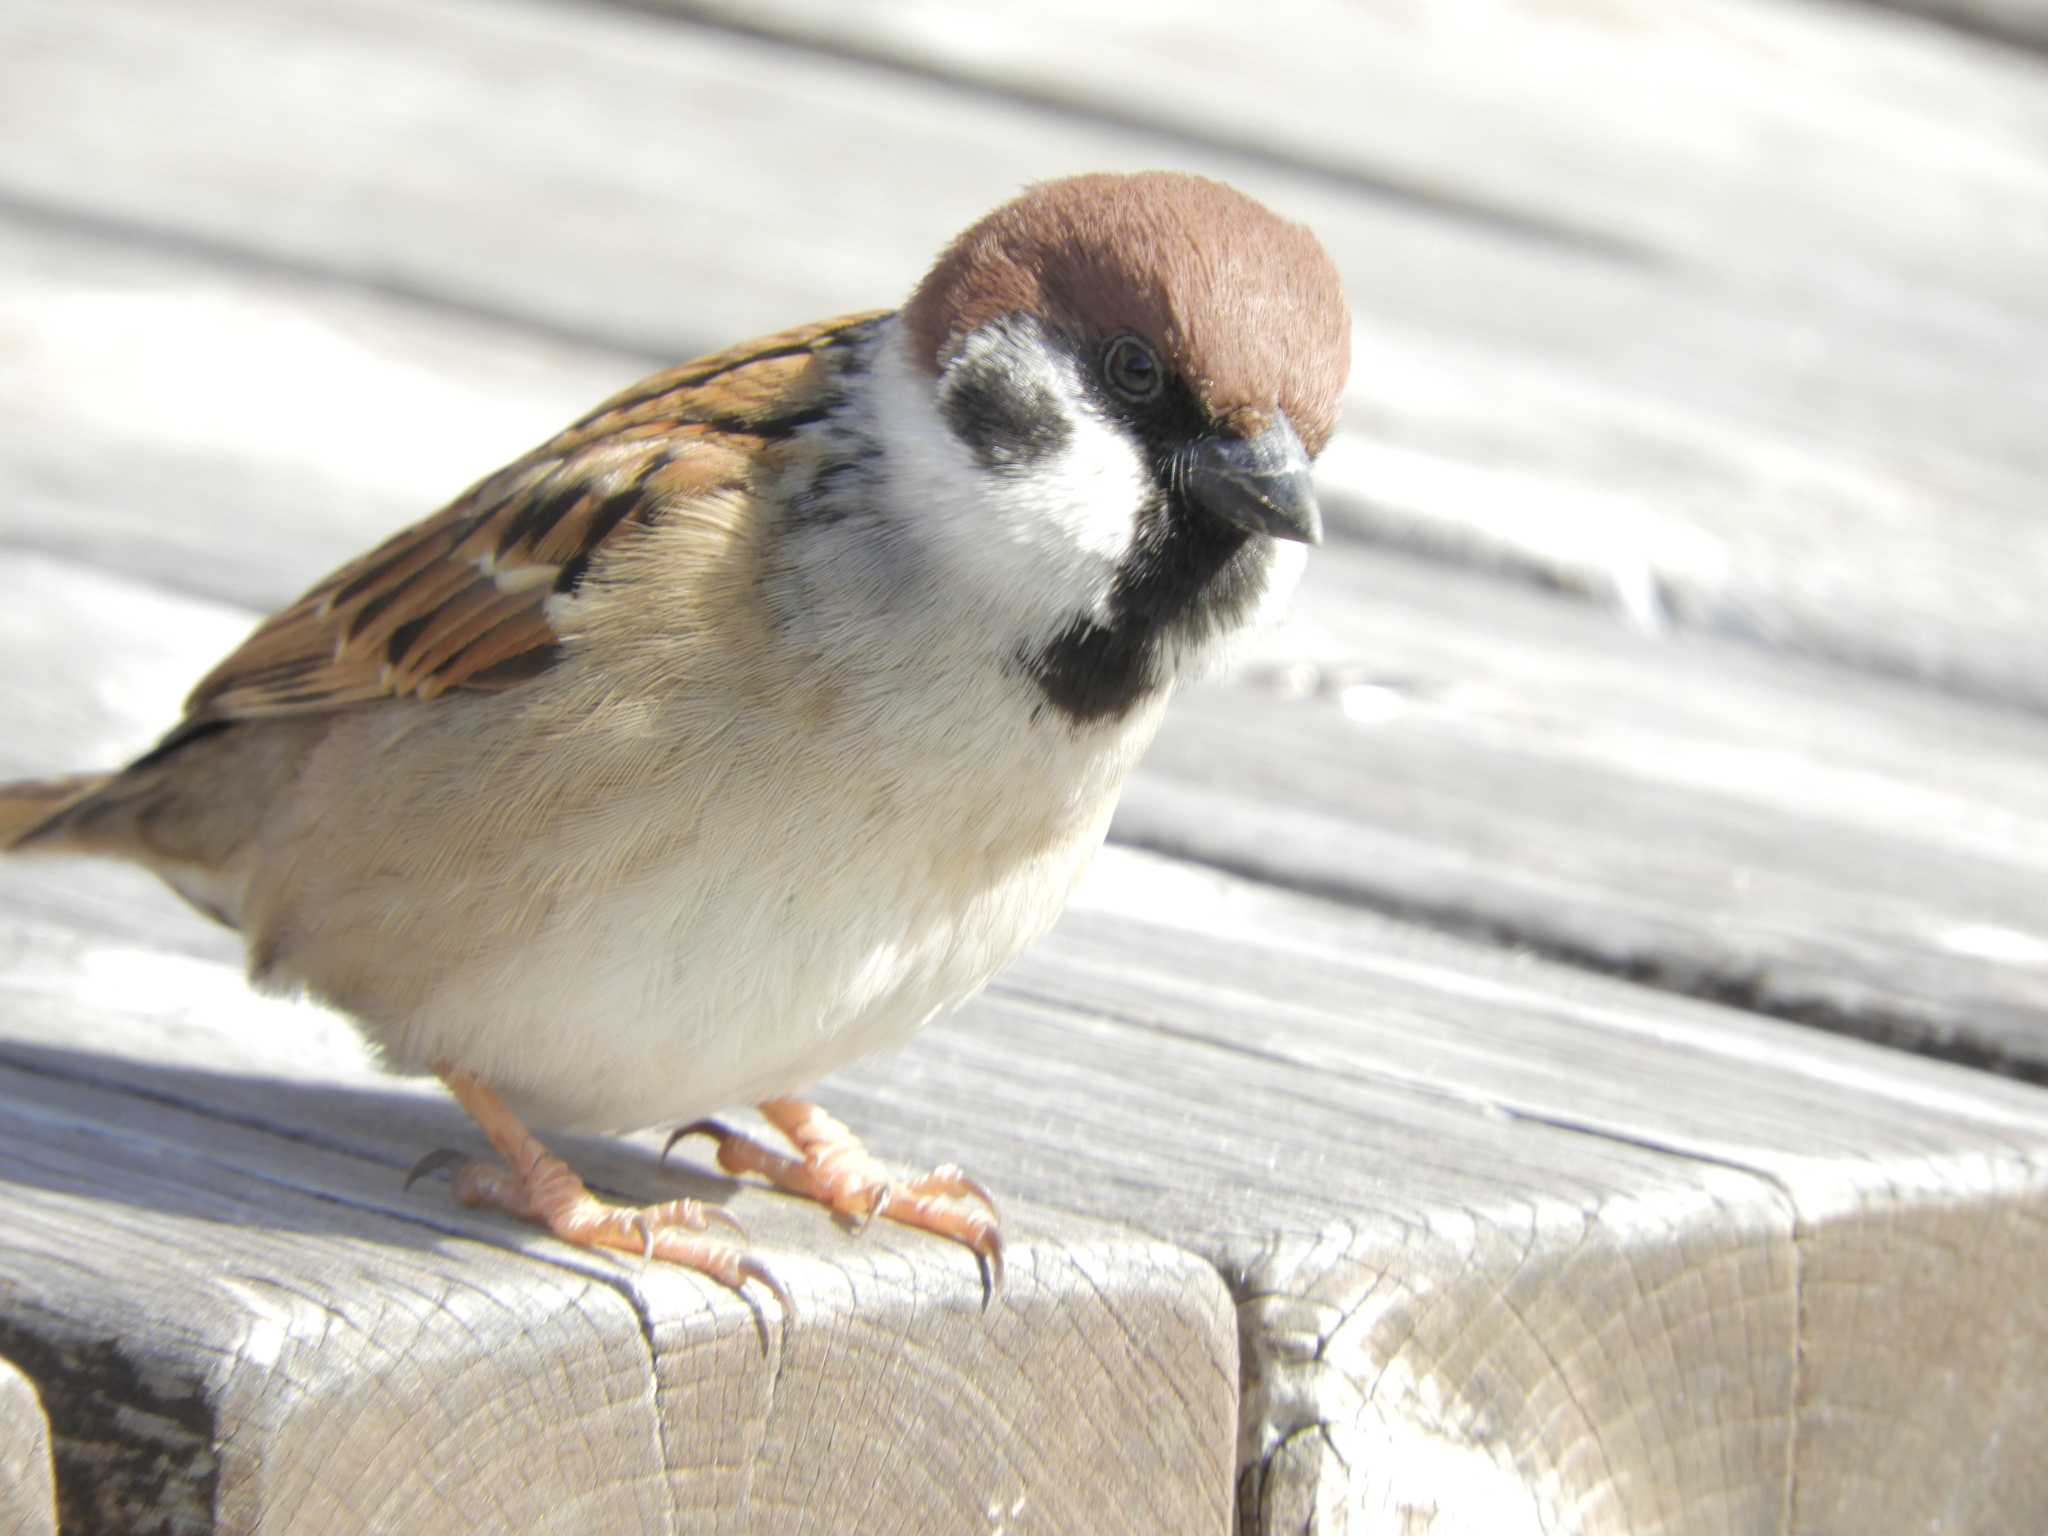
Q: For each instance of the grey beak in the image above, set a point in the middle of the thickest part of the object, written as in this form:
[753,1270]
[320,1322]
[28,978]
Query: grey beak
[1261,483]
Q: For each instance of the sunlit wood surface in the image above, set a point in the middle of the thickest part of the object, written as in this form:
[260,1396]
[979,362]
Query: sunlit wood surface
[1551,1046]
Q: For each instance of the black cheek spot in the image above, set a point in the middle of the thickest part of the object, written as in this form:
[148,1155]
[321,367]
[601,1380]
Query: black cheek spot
[1009,424]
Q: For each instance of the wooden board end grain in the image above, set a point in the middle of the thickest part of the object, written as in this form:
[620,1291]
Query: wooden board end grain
[1664,1266]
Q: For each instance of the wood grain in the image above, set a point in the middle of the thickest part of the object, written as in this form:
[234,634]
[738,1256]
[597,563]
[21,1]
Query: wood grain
[1522,1247]
[132,366]
[1727,137]
[296,1318]
[1808,1168]
[1790,836]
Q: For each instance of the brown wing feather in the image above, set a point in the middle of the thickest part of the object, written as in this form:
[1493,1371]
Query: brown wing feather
[460,599]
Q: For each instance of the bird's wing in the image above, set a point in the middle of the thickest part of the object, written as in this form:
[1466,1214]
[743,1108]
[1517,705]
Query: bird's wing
[462,599]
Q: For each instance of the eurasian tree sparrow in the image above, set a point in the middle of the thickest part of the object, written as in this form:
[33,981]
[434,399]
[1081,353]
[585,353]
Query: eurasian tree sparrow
[768,710]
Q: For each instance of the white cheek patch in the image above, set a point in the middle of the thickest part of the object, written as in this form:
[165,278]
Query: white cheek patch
[1087,494]
[1066,523]
[1037,542]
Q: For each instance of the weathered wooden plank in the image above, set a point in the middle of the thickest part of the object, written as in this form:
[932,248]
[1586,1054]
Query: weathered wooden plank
[261,1280]
[1847,461]
[28,1497]
[1786,835]
[1922,1184]
[68,1035]
[1512,1247]
[236,1357]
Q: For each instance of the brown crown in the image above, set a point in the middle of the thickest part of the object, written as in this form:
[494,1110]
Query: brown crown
[1246,307]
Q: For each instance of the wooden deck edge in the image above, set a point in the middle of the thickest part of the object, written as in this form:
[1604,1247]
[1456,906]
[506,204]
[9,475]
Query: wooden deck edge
[1823,1327]
[299,1314]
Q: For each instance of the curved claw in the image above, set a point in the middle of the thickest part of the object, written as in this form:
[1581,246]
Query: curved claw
[646,1230]
[989,1255]
[754,1269]
[434,1162]
[709,1128]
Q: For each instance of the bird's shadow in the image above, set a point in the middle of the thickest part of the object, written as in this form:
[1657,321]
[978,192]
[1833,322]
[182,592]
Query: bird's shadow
[275,1153]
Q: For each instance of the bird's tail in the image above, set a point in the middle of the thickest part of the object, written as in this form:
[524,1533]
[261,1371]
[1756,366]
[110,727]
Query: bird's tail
[31,808]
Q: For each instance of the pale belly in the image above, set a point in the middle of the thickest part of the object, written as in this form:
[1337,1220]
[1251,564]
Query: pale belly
[802,925]
[659,934]
[626,1016]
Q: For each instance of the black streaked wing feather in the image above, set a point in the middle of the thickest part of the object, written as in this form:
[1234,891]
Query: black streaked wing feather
[460,599]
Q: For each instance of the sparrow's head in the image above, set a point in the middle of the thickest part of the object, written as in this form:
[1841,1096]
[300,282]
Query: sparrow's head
[1131,375]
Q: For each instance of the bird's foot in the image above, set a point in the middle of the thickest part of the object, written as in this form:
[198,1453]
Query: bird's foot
[536,1186]
[833,1168]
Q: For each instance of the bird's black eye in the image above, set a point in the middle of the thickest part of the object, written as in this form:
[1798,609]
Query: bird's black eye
[1130,368]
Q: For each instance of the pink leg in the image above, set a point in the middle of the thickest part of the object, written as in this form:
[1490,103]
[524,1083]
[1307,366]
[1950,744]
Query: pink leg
[536,1186]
